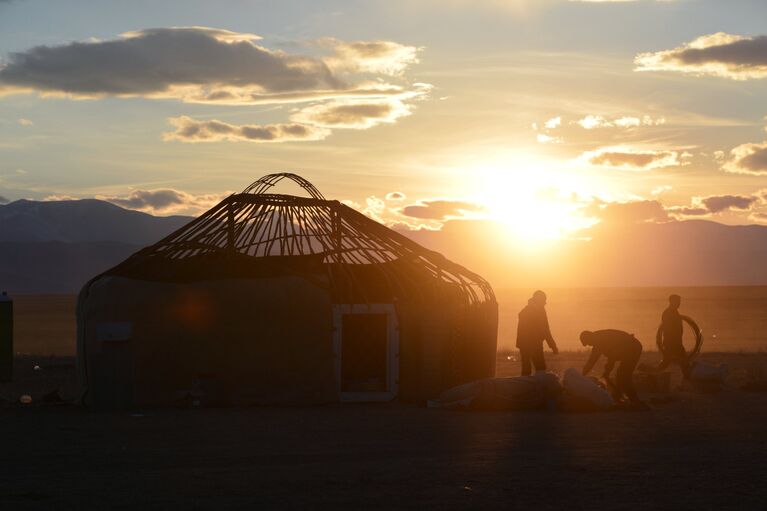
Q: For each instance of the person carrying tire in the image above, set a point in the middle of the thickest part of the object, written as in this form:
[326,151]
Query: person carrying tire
[532,330]
[672,328]
[617,346]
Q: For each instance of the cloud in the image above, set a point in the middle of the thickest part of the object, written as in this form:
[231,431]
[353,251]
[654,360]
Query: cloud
[547,129]
[238,96]
[552,123]
[658,190]
[720,54]
[24,122]
[390,215]
[377,57]
[165,200]
[191,131]
[713,204]
[59,197]
[352,114]
[203,65]
[591,122]
[624,158]
[546,139]
[440,209]
[643,210]
[748,159]
[215,66]
[164,62]
[678,211]
[375,208]
[630,212]
[719,203]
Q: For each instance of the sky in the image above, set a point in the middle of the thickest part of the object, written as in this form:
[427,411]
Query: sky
[547,116]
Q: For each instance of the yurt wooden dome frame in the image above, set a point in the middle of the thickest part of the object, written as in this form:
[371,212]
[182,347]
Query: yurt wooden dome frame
[255,223]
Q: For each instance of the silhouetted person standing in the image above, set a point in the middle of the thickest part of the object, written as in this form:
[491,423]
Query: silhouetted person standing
[532,330]
[671,328]
[617,346]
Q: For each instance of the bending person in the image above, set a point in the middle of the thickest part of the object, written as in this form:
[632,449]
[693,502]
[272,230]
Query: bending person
[617,346]
[532,330]
[672,329]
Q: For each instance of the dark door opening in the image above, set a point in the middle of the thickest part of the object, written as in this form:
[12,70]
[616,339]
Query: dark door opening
[364,353]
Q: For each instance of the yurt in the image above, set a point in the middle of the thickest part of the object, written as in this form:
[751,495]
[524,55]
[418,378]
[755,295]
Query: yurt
[279,299]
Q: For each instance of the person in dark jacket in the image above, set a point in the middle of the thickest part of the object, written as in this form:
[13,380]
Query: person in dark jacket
[532,330]
[617,346]
[672,328]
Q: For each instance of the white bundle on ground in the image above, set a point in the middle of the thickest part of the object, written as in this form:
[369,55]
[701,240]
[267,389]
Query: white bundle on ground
[580,387]
[708,373]
[518,393]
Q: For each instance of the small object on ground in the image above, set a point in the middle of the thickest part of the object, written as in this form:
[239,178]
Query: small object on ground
[708,378]
[25,399]
[37,368]
[702,371]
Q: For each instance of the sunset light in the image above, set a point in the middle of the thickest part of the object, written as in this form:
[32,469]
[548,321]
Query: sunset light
[383,255]
[532,197]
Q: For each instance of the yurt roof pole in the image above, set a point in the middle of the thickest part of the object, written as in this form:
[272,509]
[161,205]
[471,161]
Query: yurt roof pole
[230,227]
[260,186]
[337,232]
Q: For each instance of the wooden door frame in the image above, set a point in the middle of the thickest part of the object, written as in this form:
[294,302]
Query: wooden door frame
[392,349]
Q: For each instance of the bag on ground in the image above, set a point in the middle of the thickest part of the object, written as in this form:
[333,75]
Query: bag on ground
[708,373]
[581,388]
[518,393]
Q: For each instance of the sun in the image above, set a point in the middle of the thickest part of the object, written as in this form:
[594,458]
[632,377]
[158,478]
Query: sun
[535,201]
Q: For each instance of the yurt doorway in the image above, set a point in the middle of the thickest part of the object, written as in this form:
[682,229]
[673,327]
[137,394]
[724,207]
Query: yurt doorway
[366,346]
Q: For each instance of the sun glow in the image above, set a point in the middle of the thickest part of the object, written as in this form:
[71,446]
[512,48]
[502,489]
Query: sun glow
[537,202]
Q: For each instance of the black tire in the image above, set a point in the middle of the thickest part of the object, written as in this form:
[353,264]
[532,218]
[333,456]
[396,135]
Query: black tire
[696,330]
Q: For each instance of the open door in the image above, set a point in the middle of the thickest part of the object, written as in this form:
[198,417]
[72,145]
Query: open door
[366,345]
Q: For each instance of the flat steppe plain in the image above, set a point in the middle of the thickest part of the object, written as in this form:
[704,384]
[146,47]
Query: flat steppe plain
[697,451]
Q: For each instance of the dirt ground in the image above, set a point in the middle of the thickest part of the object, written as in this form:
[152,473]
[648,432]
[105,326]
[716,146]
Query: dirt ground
[699,451]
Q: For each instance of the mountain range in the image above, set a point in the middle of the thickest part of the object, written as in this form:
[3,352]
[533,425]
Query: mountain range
[56,246]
